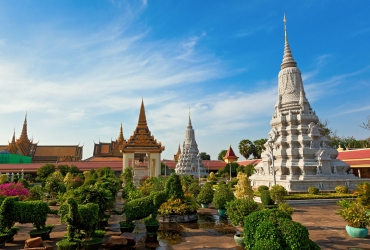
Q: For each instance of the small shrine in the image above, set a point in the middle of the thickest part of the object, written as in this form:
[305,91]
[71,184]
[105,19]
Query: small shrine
[230,155]
[141,150]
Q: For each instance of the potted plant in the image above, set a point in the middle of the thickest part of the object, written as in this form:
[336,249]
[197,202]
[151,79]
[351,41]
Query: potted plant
[126,226]
[151,225]
[222,195]
[357,216]
[206,195]
[43,233]
[99,234]
[239,239]
[14,230]
[4,236]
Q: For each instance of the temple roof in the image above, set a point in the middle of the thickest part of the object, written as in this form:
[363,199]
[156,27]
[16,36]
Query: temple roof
[142,137]
[288,60]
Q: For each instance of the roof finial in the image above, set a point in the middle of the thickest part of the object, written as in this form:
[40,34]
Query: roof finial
[189,123]
[142,117]
[288,60]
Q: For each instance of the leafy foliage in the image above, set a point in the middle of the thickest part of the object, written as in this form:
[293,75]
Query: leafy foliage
[206,194]
[54,184]
[262,188]
[284,207]
[212,177]
[278,193]
[205,156]
[313,190]
[226,170]
[266,198]
[44,171]
[248,169]
[273,229]
[237,209]
[363,194]
[243,188]
[194,189]
[341,189]
[36,193]
[366,125]
[173,187]
[4,179]
[14,189]
[178,206]
[222,195]
[247,148]
[259,146]
[221,155]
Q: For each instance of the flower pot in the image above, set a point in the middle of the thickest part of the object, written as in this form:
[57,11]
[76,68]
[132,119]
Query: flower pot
[67,245]
[152,229]
[128,229]
[3,239]
[204,205]
[222,212]
[239,239]
[14,231]
[44,234]
[93,244]
[356,232]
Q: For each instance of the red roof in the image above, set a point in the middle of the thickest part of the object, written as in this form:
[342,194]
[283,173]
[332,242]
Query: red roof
[230,154]
[354,154]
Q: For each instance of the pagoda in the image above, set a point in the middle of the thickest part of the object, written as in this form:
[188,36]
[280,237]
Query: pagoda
[297,155]
[230,155]
[189,161]
[144,146]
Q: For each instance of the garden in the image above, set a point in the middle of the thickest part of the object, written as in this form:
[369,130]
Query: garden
[85,203]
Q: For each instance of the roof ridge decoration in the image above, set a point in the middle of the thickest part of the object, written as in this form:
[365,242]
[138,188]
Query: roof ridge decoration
[288,60]
[142,136]
[120,135]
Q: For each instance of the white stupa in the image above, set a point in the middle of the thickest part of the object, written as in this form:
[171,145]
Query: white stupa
[189,159]
[301,156]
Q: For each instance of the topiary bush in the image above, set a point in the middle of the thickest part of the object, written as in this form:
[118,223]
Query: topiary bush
[206,194]
[266,198]
[313,190]
[222,195]
[262,188]
[278,193]
[173,187]
[237,209]
[274,229]
[341,189]
[194,189]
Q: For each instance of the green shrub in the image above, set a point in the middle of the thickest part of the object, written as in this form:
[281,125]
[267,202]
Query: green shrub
[206,193]
[134,194]
[282,206]
[36,193]
[274,229]
[313,190]
[173,187]
[341,189]
[194,189]
[25,183]
[89,218]
[232,183]
[222,195]
[237,209]
[277,193]
[262,188]
[4,179]
[266,198]
[65,244]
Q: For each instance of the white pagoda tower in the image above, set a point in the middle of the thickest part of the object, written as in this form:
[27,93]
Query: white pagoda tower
[297,156]
[189,162]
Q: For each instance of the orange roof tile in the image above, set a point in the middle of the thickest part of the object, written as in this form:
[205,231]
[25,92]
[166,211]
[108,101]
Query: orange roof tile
[56,150]
[354,154]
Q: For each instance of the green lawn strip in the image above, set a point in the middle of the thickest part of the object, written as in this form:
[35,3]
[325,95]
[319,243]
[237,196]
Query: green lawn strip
[314,196]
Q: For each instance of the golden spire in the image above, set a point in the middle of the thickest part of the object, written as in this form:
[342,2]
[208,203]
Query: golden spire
[24,135]
[142,117]
[288,60]
[120,135]
[13,139]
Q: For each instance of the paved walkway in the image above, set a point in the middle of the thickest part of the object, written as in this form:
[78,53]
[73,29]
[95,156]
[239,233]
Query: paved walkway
[325,228]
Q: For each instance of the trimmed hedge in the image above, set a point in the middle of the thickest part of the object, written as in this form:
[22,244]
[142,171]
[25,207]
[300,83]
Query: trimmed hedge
[12,211]
[266,198]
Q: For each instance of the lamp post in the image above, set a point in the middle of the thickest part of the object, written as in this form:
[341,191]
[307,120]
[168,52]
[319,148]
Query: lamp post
[208,167]
[271,144]
[198,168]
[230,170]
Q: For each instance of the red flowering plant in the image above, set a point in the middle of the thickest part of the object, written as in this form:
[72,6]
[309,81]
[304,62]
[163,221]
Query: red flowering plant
[14,189]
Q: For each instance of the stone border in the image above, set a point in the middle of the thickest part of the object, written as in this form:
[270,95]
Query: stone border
[178,218]
[309,202]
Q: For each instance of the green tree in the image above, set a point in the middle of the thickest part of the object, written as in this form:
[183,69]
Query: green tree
[226,169]
[247,148]
[221,155]
[248,170]
[74,170]
[260,146]
[63,169]
[44,171]
[205,156]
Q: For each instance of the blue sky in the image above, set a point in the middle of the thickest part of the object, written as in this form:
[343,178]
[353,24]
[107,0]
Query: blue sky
[80,68]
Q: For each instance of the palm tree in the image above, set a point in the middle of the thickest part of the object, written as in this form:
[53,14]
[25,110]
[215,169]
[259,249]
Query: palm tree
[246,148]
[260,146]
